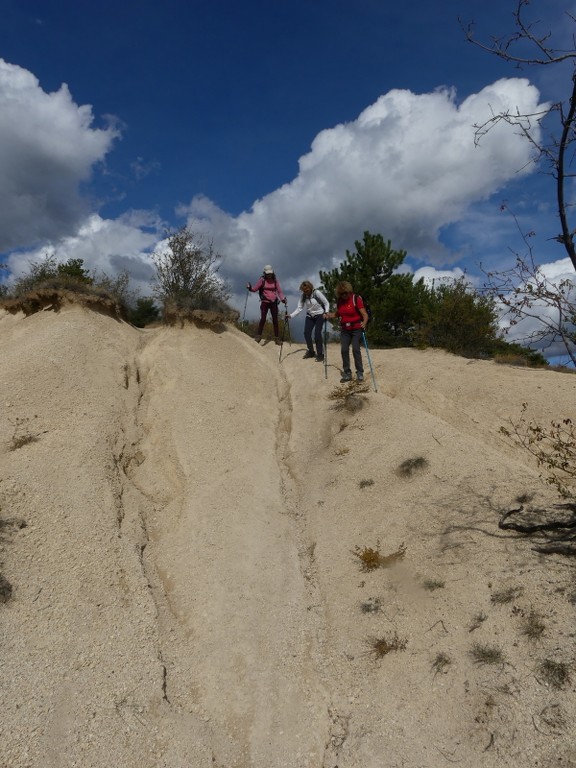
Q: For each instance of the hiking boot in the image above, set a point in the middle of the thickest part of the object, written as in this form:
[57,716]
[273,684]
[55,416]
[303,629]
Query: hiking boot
[346,377]
[257,339]
[319,358]
[359,377]
[308,355]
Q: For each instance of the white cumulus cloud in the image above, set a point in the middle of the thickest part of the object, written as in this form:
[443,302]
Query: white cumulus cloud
[406,168]
[48,147]
[105,245]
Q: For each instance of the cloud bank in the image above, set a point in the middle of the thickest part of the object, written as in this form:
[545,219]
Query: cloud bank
[47,150]
[407,167]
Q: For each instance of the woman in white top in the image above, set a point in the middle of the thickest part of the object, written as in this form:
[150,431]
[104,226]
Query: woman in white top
[316,305]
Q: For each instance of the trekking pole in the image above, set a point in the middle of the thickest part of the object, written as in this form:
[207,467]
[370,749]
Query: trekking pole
[325,349]
[370,362]
[287,324]
[245,305]
[283,334]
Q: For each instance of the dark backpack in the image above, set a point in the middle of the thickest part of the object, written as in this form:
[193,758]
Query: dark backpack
[366,307]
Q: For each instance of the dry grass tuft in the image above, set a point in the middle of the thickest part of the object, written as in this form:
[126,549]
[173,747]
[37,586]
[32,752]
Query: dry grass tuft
[432,584]
[365,483]
[479,619]
[6,527]
[22,440]
[54,298]
[506,595]
[441,662]
[371,559]
[342,450]
[411,466]
[532,626]
[350,397]
[5,589]
[382,646]
[486,654]
[23,434]
[513,359]
[524,498]
[554,673]
[371,605]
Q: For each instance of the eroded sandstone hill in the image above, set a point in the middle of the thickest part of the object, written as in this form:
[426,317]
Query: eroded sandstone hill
[187,589]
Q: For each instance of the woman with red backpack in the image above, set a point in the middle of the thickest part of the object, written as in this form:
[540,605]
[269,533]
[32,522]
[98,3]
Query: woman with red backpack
[271,295]
[353,320]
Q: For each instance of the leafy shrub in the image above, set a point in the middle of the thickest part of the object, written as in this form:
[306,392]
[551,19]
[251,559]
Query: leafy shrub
[47,277]
[508,353]
[554,448]
[187,275]
[49,273]
[459,320]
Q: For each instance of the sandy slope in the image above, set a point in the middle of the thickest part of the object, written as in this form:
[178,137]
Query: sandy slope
[186,591]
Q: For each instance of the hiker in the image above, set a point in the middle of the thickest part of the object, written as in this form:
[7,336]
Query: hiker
[270,295]
[353,321]
[316,307]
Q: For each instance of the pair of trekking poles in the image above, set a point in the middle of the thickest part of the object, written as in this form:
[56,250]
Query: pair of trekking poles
[287,326]
[283,329]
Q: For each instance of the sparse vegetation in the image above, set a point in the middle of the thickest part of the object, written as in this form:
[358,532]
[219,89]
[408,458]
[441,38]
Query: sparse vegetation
[506,595]
[342,450]
[411,466]
[382,646]
[554,673]
[22,440]
[486,654]
[532,626]
[365,483]
[371,559]
[477,621]
[22,435]
[5,589]
[371,605]
[433,584]
[527,358]
[524,498]
[50,284]
[49,273]
[554,448]
[349,397]
[441,663]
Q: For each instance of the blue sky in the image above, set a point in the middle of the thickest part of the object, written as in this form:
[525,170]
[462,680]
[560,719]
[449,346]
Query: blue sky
[282,130]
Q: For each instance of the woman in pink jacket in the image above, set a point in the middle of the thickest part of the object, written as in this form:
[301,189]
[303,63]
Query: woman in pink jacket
[270,295]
